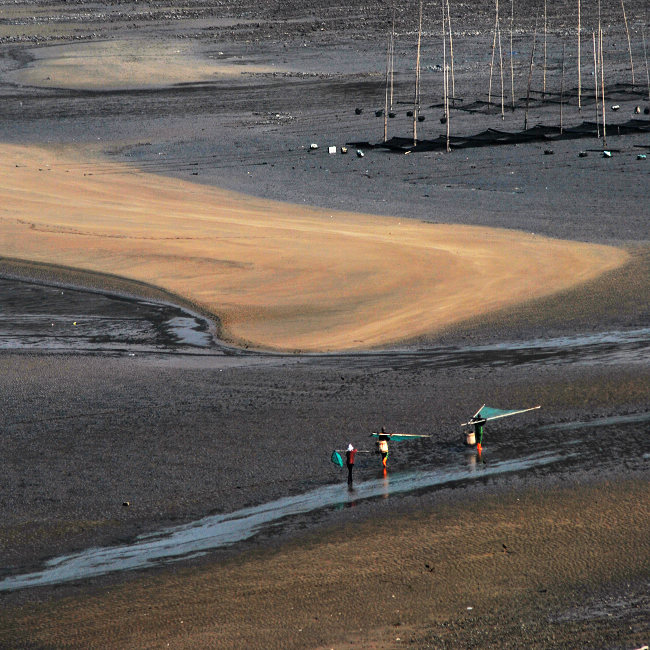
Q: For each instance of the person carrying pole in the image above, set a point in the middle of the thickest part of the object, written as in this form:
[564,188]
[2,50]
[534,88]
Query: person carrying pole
[478,422]
[382,446]
[349,461]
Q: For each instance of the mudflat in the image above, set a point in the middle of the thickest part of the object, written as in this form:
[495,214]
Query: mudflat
[164,154]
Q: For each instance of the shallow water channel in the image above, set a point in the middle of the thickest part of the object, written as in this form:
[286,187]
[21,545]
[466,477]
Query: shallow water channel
[48,317]
[217,531]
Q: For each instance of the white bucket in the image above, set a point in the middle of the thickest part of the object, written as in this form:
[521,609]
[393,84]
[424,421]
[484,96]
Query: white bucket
[470,438]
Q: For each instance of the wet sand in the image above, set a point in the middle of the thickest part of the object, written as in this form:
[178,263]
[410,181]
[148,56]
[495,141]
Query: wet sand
[117,65]
[513,569]
[181,436]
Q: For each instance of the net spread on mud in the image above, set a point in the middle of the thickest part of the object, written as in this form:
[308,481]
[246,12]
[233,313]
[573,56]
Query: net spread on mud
[491,137]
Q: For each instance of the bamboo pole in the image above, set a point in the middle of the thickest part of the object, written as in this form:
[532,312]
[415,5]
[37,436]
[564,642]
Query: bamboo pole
[602,82]
[544,67]
[629,44]
[445,88]
[600,65]
[418,68]
[530,73]
[447,124]
[512,64]
[593,34]
[451,55]
[417,82]
[579,64]
[494,45]
[386,91]
[392,59]
[562,90]
[503,115]
[445,73]
[645,56]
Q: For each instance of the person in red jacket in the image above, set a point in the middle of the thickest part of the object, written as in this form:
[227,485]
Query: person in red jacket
[349,461]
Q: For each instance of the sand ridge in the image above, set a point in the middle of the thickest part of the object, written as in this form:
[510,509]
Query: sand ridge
[277,275]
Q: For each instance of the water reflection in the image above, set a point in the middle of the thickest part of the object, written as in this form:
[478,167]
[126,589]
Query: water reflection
[216,531]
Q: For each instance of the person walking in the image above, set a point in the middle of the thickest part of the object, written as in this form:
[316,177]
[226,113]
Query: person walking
[382,446]
[349,461]
[478,423]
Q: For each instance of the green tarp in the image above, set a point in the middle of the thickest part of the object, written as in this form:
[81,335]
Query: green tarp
[336,458]
[488,412]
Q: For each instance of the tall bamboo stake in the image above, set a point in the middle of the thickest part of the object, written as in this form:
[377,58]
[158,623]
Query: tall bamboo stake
[451,55]
[392,59]
[593,34]
[503,115]
[562,90]
[386,92]
[494,45]
[530,74]
[579,64]
[544,67]
[512,64]
[600,66]
[447,108]
[645,56]
[445,72]
[417,82]
[602,82]
[629,44]
[418,69]
[445,88]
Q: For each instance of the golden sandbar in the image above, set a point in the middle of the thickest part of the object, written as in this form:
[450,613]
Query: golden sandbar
[278,275]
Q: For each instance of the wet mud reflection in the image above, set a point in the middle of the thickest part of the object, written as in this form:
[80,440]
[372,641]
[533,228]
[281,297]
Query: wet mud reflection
[37,316]
[216,531]
[623,346]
